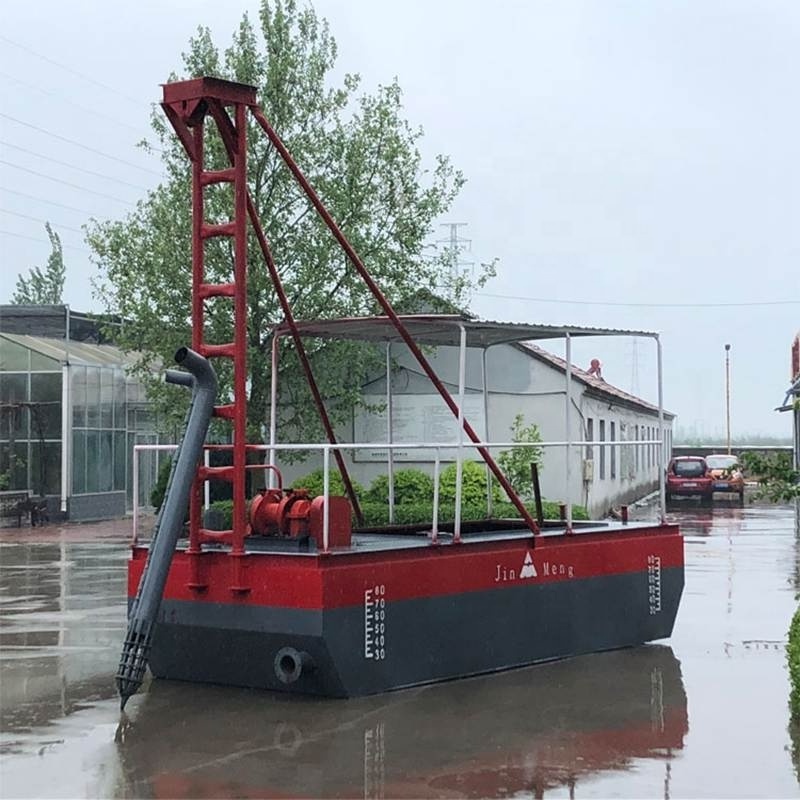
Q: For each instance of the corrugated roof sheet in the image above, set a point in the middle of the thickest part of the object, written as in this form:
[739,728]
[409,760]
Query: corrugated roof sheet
[79,353]
[444,330]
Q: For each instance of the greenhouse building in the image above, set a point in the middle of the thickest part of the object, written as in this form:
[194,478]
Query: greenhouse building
[70,415]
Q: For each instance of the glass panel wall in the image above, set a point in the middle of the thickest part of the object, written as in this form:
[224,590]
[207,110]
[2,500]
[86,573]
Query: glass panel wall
[30,420]
[98,420]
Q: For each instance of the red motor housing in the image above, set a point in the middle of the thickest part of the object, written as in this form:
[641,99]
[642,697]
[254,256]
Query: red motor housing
[292,514]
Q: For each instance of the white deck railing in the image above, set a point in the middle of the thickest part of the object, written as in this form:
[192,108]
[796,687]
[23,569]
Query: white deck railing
[325,449]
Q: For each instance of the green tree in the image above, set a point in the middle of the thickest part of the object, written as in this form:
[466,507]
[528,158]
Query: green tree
[778,481]
[43,286]
[363,159]
[516,462]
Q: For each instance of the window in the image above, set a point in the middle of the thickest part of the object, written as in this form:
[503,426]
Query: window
[636,447]
[92,397]
[689,469]
[93,465]
[613,463]
[13,356]
[589,437]
[602,450]
[45,405]
[46,467]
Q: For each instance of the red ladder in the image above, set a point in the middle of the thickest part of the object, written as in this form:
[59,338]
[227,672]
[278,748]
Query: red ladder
[187,105]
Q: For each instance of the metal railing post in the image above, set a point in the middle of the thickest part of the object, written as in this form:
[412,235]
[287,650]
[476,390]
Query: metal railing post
[662,478]
[485,376]
[326,485]
[568,425]
[462,379]
[135,490]
[389,422]
[436,465]
[273,407]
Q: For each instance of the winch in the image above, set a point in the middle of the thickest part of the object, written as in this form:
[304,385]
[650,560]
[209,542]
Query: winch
[293,514]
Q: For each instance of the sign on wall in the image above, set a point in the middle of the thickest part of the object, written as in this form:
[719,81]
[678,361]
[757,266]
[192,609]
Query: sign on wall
[416,418]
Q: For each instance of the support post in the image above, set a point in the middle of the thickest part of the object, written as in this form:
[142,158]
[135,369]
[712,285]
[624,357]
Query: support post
[389,424]
[66,419]
[135,491]
[662,477]
[435,529]
[326,493]
[568,431]
[273,407]
[462,382]
[488,438]
[728,396]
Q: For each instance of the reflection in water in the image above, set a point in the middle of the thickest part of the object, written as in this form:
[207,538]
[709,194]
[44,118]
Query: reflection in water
[529,730]
[62,611]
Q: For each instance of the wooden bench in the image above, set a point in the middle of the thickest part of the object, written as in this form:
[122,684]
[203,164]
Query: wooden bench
[20,504]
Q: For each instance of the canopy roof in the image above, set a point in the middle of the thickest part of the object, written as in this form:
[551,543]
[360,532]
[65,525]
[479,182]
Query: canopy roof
[444,330]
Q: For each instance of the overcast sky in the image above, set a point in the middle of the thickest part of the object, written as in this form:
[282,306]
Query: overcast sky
[618,154]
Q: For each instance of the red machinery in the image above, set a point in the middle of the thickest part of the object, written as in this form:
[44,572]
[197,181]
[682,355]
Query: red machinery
[293,514]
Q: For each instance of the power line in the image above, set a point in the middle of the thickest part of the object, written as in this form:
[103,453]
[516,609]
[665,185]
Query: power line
[638,305]
[80,144]
[67,183]
[71,70]
[72,166]
[136,129]
[43,241]
[40,219]
[49,202]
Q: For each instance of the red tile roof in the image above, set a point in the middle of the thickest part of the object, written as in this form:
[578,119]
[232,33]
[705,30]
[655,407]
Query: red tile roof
[592,381]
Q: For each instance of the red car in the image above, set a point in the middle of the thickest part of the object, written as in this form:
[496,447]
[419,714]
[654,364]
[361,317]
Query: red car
[689,476]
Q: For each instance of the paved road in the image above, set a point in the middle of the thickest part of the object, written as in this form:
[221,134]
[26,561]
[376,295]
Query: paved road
[703,715]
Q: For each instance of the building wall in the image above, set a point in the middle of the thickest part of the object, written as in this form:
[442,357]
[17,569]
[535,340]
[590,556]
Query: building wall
[106,415]
[91,507]
[518,384]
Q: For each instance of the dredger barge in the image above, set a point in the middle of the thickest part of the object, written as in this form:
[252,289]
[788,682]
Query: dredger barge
[296,596]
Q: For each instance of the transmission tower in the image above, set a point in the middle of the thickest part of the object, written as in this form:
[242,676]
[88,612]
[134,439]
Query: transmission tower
[456,245]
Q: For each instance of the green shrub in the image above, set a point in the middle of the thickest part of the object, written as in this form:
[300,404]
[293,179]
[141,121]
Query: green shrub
[793,656]
[313,483]
[160,486]
[376,514]
[410,486]
[473,484]
[778,481]
[220,515]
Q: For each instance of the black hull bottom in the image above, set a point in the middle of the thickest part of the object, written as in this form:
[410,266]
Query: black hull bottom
[355,651]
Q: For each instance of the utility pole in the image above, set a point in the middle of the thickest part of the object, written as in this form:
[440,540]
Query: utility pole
[728,395]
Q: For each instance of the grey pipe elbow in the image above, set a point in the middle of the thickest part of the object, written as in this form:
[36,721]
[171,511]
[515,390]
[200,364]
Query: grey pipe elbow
[178,378]
[201,370]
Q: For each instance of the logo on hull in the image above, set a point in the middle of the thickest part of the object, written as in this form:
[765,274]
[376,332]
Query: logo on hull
[504,574]
[528,569]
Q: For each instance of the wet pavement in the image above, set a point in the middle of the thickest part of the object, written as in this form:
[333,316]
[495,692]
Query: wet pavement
[702,715]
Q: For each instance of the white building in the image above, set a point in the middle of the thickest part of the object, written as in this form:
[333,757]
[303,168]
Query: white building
[520,378]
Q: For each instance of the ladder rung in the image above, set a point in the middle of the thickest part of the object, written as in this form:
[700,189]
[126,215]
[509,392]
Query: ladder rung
[207,290]
[218,350]
[215,473]
[217,176]
[226,229]
[225,412]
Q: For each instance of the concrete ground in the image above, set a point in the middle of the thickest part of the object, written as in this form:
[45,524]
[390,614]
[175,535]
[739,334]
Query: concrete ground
[702,715]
